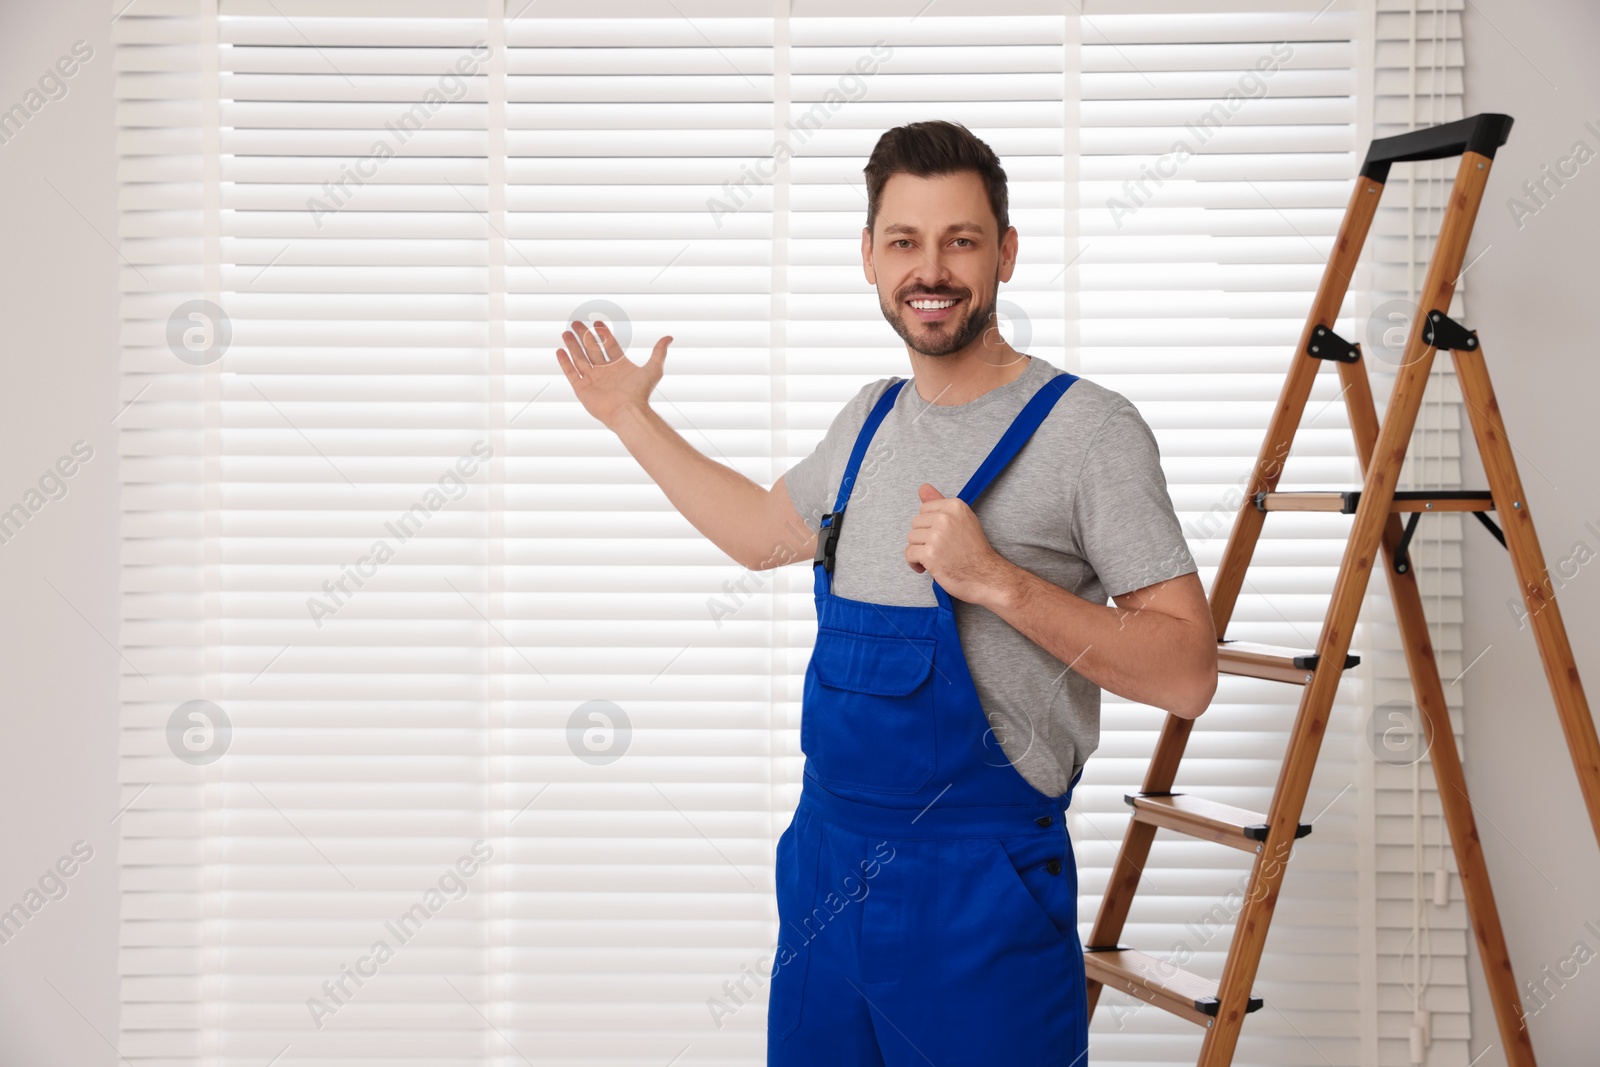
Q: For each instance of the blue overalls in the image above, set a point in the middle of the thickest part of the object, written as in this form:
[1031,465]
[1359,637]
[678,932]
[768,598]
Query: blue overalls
[927,892]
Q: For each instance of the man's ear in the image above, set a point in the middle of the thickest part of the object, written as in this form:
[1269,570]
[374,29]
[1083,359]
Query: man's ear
[1008,253]
[866,257]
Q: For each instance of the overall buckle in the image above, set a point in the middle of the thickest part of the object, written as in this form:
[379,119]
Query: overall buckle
[827,540]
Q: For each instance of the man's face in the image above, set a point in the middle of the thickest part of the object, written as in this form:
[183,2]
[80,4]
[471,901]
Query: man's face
[936,241]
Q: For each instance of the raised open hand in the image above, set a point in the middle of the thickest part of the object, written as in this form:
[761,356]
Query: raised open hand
[606,382]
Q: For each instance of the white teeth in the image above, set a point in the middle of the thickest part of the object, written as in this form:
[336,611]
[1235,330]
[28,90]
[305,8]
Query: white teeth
[931,305]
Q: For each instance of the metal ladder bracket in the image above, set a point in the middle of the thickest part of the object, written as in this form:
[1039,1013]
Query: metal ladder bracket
[1325,344]
[1441,331]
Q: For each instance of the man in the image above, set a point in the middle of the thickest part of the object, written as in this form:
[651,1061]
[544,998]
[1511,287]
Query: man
[952,696]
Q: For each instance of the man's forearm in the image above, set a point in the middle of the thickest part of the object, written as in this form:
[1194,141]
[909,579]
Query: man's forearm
[721,503]
[1145,656]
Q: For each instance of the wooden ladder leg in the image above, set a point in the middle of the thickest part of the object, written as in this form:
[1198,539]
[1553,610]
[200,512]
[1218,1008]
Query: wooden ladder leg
[1283,816]
[1291,404]
[1444,756]
[1272,859]
[1236,555]
[1373,512]
[1135,850]
[1538,593]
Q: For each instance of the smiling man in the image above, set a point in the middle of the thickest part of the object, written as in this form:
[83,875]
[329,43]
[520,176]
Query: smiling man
[965,530]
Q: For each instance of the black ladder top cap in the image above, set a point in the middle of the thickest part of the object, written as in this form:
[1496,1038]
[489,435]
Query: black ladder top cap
[1476,133]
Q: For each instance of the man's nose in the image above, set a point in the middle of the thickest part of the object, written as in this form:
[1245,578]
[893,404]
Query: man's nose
[932,279]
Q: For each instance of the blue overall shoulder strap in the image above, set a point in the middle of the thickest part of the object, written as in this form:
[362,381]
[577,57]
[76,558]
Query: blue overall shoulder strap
[1017,434]
[828,535]
[880,410]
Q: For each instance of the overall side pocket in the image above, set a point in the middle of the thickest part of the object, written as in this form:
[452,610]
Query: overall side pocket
[1025,865]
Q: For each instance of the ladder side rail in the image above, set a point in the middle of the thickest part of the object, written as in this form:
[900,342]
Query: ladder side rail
[1286,417]
[1123,883]
[1428,688]
[1372,515]
[1527,559]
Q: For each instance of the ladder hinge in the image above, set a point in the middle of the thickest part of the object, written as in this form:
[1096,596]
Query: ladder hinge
[1402,562]
[1487,521]
[1441,331]
[1325,344]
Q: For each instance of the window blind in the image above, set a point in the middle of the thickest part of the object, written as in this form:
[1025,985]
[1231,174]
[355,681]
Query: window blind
[638,918]
[310,521]
[495,747]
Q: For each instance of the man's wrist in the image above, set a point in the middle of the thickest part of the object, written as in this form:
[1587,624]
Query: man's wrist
[1008,588]
[630,419]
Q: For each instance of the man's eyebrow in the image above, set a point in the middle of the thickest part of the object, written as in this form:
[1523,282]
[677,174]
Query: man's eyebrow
[902,227]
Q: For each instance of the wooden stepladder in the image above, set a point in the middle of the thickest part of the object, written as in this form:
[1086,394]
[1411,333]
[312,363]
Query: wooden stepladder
[1221,1006]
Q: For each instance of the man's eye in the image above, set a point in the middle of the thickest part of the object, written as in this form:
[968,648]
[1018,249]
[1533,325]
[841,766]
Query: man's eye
[966,239]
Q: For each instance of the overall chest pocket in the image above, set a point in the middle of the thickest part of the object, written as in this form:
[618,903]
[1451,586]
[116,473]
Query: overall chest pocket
[867,721]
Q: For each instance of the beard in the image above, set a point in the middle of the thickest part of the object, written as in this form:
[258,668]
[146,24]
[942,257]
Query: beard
[941,338]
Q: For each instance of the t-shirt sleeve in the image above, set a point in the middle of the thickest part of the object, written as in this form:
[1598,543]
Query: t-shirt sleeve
[813,482]
[1126,526]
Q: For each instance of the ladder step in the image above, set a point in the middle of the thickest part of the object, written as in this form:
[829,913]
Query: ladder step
[1344,501]
[1278,664]
[1205,819]
[1157,982]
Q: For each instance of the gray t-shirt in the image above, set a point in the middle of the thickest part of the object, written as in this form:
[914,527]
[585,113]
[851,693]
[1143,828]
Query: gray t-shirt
[1084,506]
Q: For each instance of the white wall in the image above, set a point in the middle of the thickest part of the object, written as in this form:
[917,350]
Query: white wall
[58,312]
[1534,298]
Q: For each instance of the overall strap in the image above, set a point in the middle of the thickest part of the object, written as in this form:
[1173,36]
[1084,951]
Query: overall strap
[1017,434]
[879,411]
[828,535]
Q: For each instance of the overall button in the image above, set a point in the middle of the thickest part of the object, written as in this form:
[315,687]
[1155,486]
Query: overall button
[1043,820]
[1054,866]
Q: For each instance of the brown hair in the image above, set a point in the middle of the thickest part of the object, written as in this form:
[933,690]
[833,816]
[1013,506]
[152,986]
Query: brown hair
[930,149]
